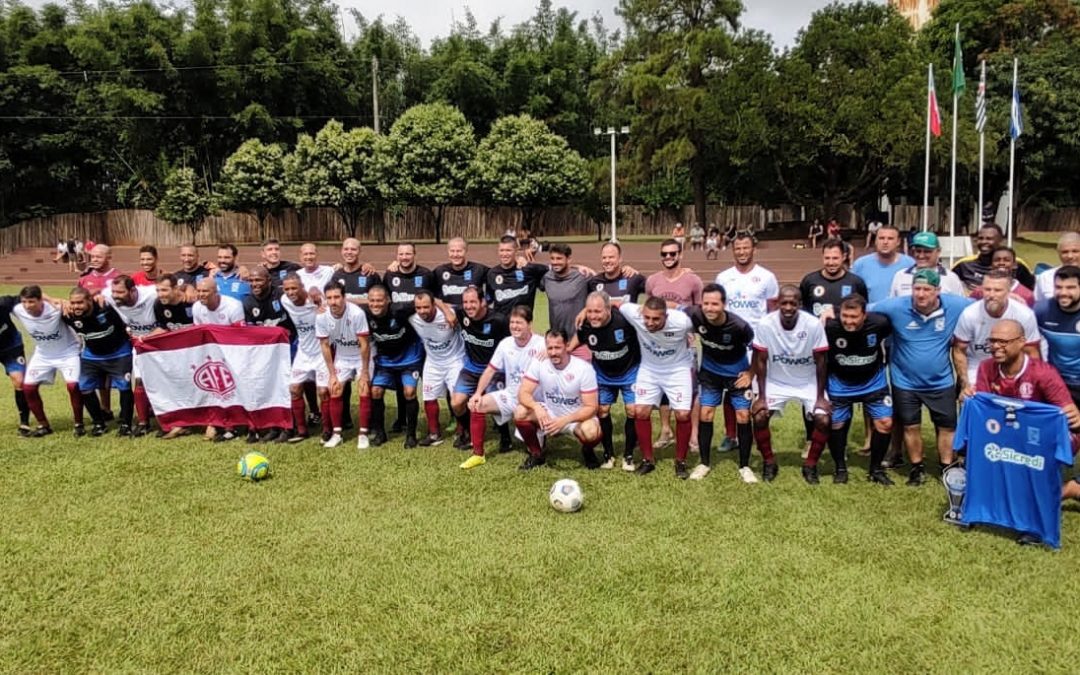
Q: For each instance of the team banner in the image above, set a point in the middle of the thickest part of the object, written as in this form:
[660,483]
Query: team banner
[222,376]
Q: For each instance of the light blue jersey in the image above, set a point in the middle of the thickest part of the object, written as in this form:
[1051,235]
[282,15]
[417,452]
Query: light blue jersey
[921,344]
[879,277]
[1063,339]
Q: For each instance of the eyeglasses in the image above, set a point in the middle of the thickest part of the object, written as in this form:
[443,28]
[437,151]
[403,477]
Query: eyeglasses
[1001,342]
[669,254]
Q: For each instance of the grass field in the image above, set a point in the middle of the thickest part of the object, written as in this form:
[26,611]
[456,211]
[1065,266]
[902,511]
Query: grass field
[147,555]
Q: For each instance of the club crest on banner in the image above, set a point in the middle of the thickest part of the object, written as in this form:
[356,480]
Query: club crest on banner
[214,377]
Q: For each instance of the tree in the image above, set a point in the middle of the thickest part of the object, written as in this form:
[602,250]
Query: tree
[426,158]
[184,201]
[252,181]
[334,169]
[522,163]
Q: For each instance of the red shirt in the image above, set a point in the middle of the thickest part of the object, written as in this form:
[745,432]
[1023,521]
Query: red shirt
[96,282]
[1037,381]
[141,279]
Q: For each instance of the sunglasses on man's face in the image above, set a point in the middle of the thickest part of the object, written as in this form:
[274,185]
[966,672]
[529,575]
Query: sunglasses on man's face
[669,254]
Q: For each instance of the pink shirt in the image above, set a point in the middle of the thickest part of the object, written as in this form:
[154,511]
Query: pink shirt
[96,282]
[683,291]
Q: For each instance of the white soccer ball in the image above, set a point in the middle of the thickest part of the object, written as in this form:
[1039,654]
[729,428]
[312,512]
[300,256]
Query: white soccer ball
[566,496]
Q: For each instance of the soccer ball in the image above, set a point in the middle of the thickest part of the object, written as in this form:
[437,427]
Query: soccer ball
[253,466]
[566,496]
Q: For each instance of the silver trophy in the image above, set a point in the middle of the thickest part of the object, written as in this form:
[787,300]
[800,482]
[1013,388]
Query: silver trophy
[955,480]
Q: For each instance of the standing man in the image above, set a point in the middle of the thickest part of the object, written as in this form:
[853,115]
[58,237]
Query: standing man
[135,304]
[453,277]
[407,278]
[510,284]
[272,262]
[190,271]
[13,357]
[1068,248]
[445,350]
[100,272]
[878,268]
[927,251]
[343,335]
[303,312]
[399,357]
[566,289]
[971,268]
[557,396]
[56,348]
[148,267]
[356,277]
[823,291]
[1059,321]
[920,368]
[790,352]
[172,311]
[1004,259]
[264,308]
[482,330]
[214,308]
[231,277]
[313,275]
[613,280]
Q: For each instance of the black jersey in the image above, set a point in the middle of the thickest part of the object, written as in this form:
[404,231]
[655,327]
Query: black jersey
[191,278]
[356,284]
[404,286]
[482,336]
[856,358]
[971,270]
[819,292]
[616,352]
[620,288]
[397,344]
[724,346]
[103,331]
[279,271]
[10,337]
[451,283]
[172,317]
[268,311]
[508,288]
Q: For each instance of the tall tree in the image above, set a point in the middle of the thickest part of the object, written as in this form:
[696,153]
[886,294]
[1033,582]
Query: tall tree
[253,181]
[184,201]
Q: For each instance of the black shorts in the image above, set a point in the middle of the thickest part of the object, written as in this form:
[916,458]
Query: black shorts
[907,406]
[466,383]
[96,373]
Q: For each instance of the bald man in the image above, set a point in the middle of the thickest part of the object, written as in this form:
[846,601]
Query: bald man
[216,309]
[100,273]
[1068,248]
[454,276]
[312,275]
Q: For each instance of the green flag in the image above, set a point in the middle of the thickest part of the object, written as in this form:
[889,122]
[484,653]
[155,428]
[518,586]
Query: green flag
[958,82]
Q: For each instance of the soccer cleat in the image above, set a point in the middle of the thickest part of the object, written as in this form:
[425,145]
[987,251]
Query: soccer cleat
[362,442]
[700,471]
[463,442]
[917,475]
[79,431]
[531,462]
[769,471]
[378,438]
[140,430]
[252,437]
[282,436]
[314,420]
[810,475]
[840,477]
[299,438]
[411,442]
[326,435]
[472,462]
[430,440]
[881,478]
[589,457]
[334,441]
[680,471]
[628,464]
[271,436]
[747,475]
[25,431]
[608,463]
[124,430]
[99,429]
[646,467]
[727,445]
[225,436]
[41,432]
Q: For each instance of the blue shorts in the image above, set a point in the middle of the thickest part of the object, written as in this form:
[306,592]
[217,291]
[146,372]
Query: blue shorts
[713,387]
[392,378]
[878,403]
[95,373]
[467,381]
[14,360]
[609,393]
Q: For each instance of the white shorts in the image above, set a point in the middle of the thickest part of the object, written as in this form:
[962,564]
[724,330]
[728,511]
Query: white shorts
[439,378]
[42,369]
[346,372]
[305,368]
[677,384]
[778,395]
[568,430]
[506,402]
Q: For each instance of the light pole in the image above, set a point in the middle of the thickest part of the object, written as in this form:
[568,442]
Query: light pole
[612,132]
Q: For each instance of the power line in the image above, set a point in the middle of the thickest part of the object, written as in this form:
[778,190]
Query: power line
[186,68]
[173,117]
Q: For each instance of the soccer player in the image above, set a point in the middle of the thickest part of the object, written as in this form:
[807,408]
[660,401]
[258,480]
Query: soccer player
[399,357]
[482,330]
[445,349]
[971,268]
[1004,259]
[856,367]
[1059,321]
[557,396]
[613,280]
[407,278]
[920,369]
[453,277]
[971,341]
[149,271]
[264,308]
[511,361]
[1068,248]
[303,311]
[106,354]
[272,262]
[356,277]
[313,275]
[510,284]
[231,277]
[135,304]
[100,272]
[878,268]
[927,251]
[13,356]
[172,311]
[667,368]
[191,270]
[566,288]
[790,352]
[725,373]
[616,355]
[214,308]
[56,348]
[343,335]
[823,290]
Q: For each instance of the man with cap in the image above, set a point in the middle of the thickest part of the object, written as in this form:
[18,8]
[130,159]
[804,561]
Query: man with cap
[921,370]
[926,250]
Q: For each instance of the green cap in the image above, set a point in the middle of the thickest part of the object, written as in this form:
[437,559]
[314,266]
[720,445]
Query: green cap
[925,240]
[927,275]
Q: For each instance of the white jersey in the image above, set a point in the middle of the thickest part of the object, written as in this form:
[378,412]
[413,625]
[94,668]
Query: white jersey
[974,329]
[667,347]
[1044,284]
[52,337]
[343,332]
[442,341]
[230,311]
[316,279]
[560,390]
[901,283]
[514,360]
[140,318]
[791,352]
[303,317]
[748,294]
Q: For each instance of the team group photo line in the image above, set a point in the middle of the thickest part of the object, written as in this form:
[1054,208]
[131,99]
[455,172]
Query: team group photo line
[979,345]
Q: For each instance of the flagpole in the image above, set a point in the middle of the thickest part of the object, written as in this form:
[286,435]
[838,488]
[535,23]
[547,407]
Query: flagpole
[926,183]
[1012,156]
[982,141]
[952,200]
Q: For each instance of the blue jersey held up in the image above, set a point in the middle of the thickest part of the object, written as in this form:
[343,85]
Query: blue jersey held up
[1015,450]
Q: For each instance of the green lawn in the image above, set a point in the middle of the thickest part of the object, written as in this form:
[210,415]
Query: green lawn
[146,555]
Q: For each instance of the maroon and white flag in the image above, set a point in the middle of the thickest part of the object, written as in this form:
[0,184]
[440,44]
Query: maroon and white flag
[222,376]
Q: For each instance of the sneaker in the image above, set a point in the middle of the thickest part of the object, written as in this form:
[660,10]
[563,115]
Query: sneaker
[272,435]
[140,430]
[463,442]
[917,475]
[769,471]
[810,475]
[225,436]
[282,436]
[334,441]
[628,464]
[881,478]
[362,442]
[727,445]
[747,475]
[430,440]
[378,438]
[589,457]
[25,431]
[646,467]
[176,432]
[252,437]
[840,477]
[663,441]
[608,463]
[411,442]
[680,471]
[472,462]
[41,432]
[531,462]
[124,430]
[79,431]
[299,438]
[99,430]
[700,471]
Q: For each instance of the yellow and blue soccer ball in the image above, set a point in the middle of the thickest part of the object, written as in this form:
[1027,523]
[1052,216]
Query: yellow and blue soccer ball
[253,466]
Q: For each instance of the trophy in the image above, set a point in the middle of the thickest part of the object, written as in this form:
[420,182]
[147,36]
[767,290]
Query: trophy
[955,480]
